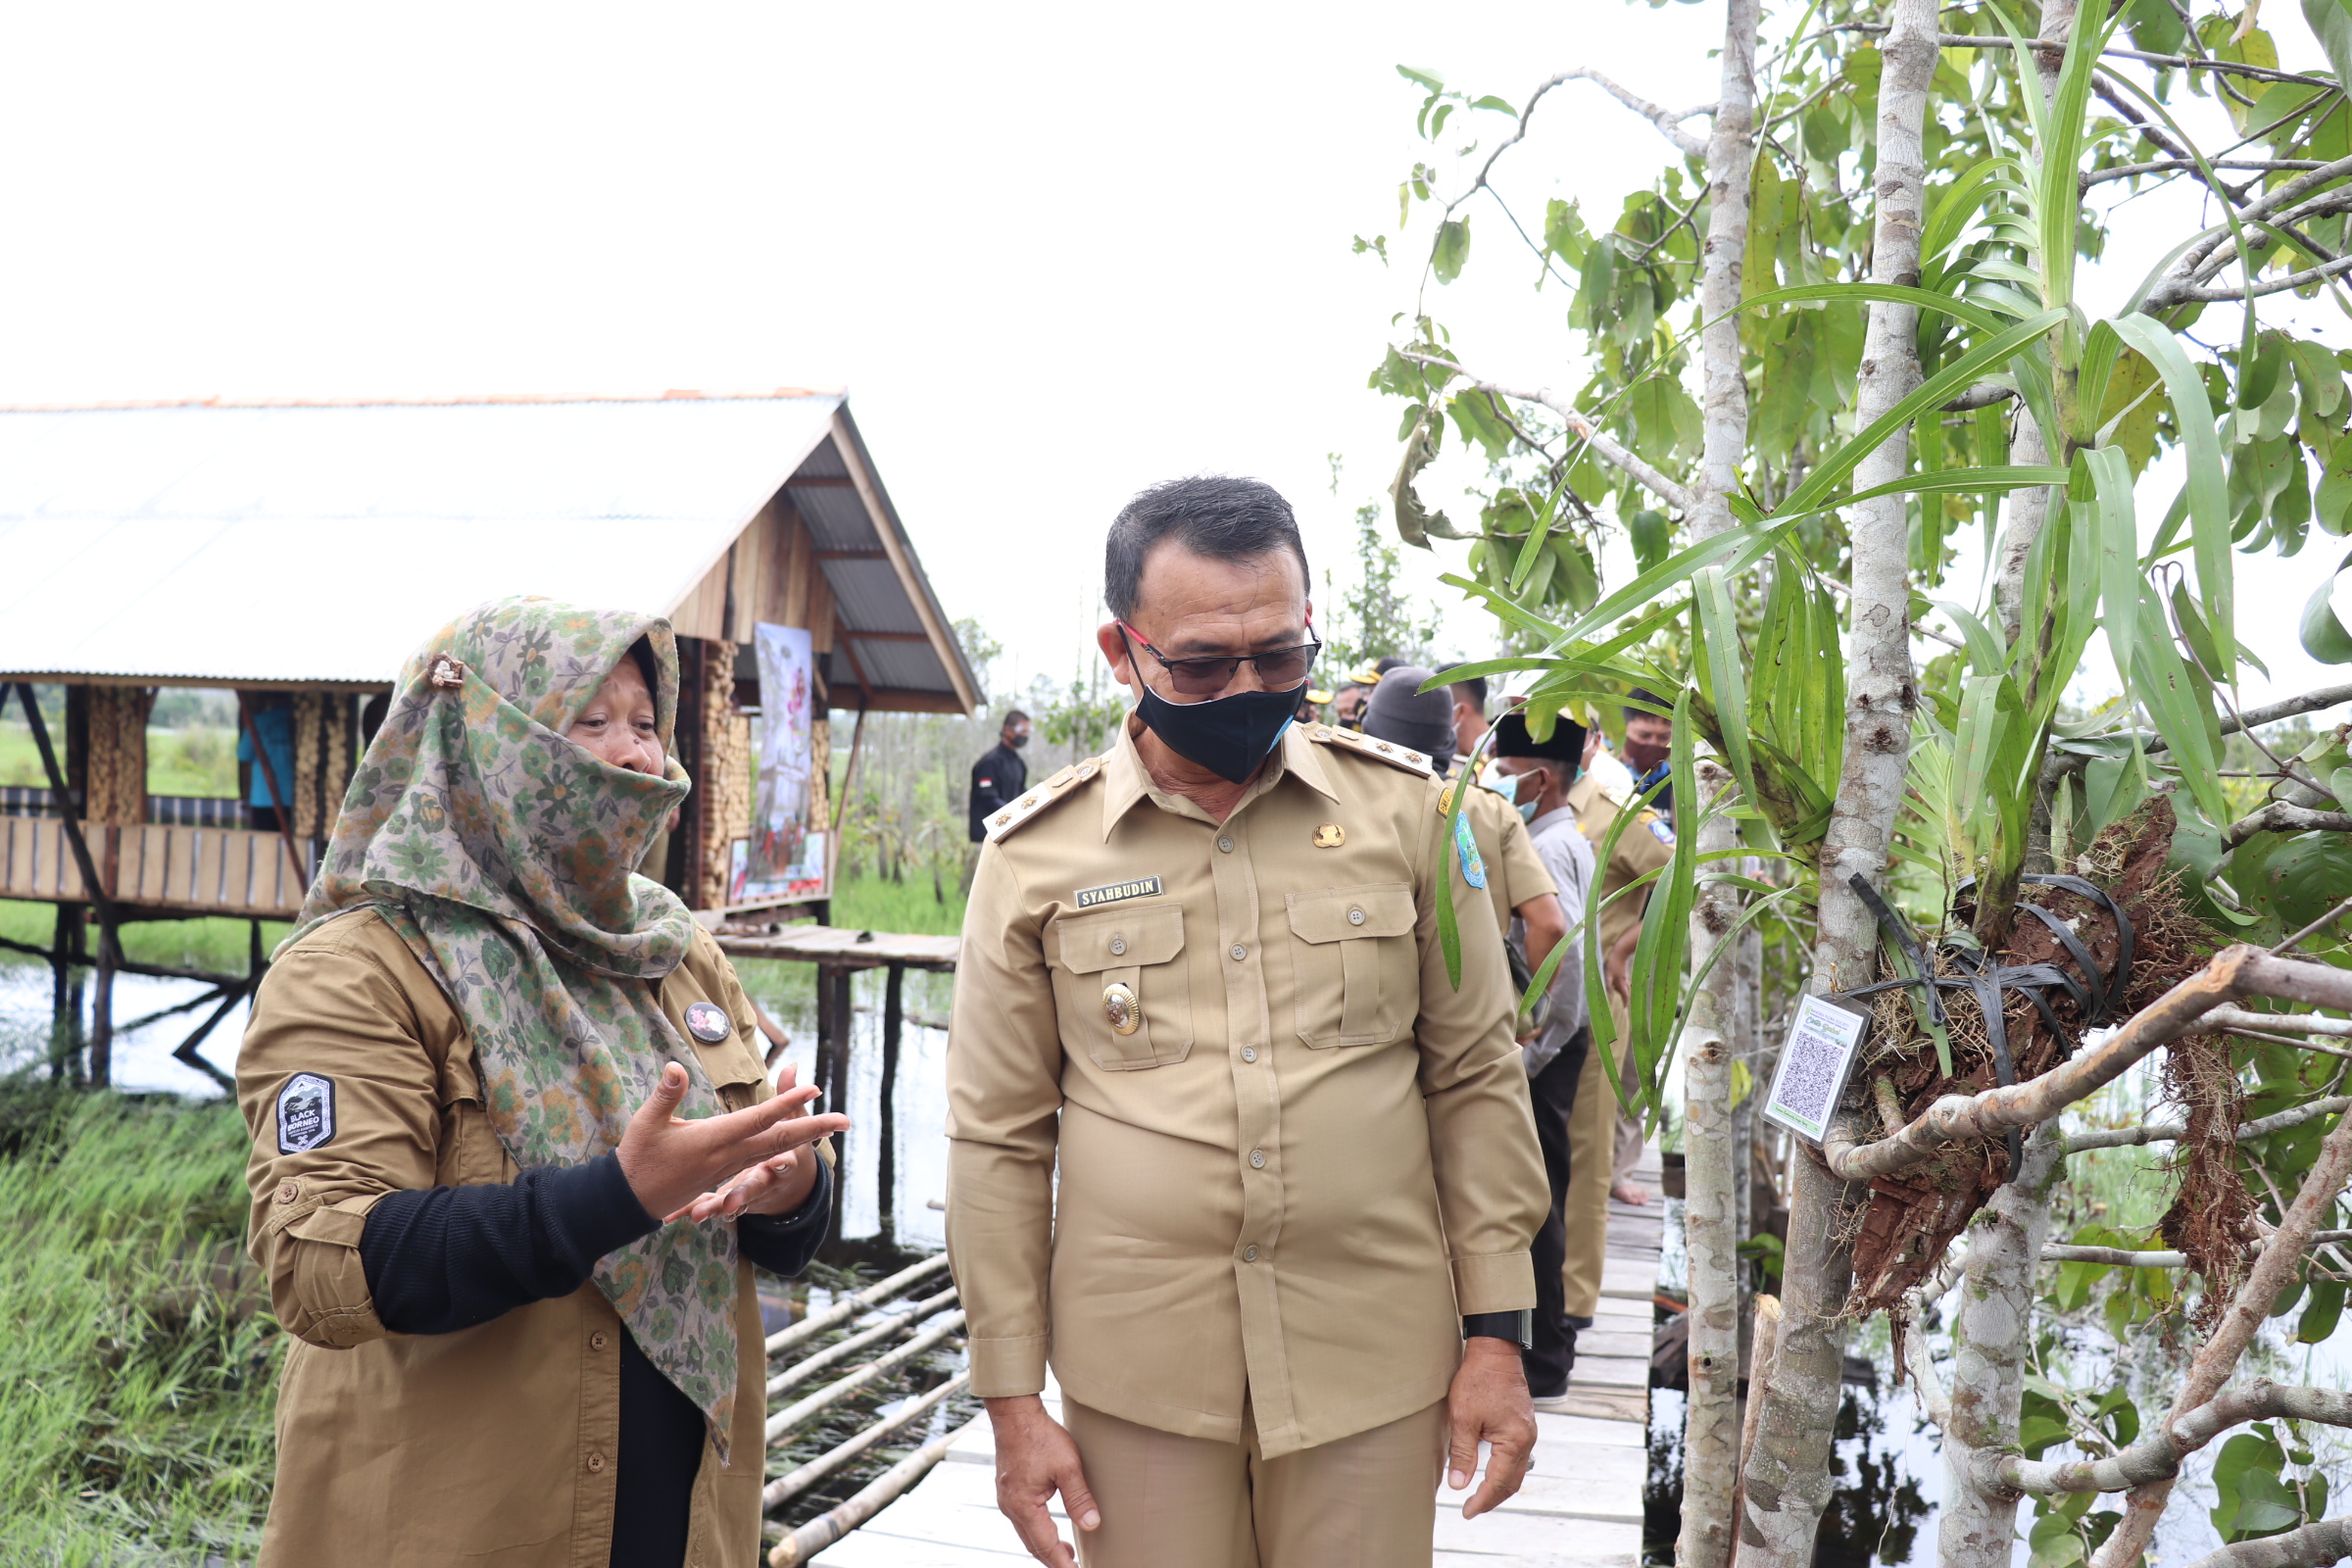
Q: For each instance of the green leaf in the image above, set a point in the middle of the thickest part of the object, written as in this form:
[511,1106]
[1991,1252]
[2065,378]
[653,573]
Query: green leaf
[1502,106]
[2305,876]
[2320,1317]
[2323,632]
[1452,249]
[1427,78]
[2208,501]
[2265,1507]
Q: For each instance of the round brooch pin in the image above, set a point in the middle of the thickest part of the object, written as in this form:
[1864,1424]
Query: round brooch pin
[1126,1014]
[707,1023]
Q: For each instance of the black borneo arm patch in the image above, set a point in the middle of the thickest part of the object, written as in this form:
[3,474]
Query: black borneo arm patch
[306,1113]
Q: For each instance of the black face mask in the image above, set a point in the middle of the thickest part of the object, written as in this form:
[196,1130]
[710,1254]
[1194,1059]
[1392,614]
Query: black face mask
[1227,735]
[1016,742]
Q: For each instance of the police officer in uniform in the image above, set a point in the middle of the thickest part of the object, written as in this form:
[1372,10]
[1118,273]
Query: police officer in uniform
[1228,1148]
[1646,846]
[1000,775]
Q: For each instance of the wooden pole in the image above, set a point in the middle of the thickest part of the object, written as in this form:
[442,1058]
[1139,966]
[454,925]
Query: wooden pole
[886,1124]
[792,1484]
[802,1371]
[283,803]
[836,1067]
[843,1310]
[824,1530]
[780,1425]
[62,1024]
[102,1005]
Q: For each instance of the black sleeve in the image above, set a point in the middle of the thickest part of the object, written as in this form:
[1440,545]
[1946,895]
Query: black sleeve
[451,1257]
[986,794]
[784,1243]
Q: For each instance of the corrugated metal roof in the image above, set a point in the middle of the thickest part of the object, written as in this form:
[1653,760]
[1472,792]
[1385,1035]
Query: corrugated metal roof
[319,542]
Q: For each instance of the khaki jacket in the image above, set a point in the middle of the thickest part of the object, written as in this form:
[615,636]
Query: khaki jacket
[1646,846]
[1312,1154]
[492,1445]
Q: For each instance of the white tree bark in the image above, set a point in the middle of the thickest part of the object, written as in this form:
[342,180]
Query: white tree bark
[1789,1481]
[1711,1430]
[1990,1335]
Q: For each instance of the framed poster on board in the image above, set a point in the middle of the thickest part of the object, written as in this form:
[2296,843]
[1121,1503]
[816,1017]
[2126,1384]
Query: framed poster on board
[785,855]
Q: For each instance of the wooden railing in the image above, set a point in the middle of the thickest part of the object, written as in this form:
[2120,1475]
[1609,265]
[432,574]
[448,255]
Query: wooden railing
[203,870]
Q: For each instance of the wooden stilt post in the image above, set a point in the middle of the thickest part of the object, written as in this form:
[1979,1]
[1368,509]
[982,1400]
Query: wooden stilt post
[62,1023]
[836,1079]
[102,1005]
[886,1123]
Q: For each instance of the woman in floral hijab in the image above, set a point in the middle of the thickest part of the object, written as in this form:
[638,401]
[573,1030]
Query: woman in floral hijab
[512,1148]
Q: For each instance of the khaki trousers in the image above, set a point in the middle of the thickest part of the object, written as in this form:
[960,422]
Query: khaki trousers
[1171,1501]
[1591,1157]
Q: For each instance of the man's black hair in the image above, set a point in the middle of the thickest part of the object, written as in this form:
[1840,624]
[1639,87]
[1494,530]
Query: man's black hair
[1387,663]
[1638,695]
[1208,515]
[1473,692]
[1013,716]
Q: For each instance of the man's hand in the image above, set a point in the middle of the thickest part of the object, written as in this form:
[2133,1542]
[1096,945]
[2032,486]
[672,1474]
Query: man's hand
[1617,966]
[671,1163]
[1035,1460]
[1487,1404]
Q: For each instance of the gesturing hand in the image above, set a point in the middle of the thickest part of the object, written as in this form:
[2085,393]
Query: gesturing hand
[1036,1458]
[1489,1402]
[671,1163]
[775,1186]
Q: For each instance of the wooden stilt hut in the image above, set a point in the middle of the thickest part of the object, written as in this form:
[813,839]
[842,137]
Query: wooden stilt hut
[298,552]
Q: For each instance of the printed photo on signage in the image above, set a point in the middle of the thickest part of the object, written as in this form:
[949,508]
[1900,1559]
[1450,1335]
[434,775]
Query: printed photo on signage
[785,855]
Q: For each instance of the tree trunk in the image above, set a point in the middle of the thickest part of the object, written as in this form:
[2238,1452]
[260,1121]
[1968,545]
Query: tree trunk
[1789,1481]
[1711,1434]
[1990,1335]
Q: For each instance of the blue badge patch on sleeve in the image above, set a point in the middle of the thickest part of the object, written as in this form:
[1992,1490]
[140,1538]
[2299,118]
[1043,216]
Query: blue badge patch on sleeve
[1659,830]
[306,1113]
[1474,864]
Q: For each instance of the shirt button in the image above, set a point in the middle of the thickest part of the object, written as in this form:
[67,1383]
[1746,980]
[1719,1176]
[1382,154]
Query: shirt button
[1250,1253]
[1355,917]
[1118,945]
[1258,1159]
[596,1341]
[287,1192]
[596,1464]
[1225,845]
[1240,952]
[1248,1052]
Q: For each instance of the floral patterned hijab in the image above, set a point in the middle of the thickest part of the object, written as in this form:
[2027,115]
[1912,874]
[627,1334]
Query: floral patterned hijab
[504,855]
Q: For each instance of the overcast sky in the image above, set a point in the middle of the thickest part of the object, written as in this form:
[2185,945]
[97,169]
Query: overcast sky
[1054,253]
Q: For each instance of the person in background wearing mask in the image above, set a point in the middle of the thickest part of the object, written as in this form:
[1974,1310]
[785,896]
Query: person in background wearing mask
[1536,776]
[1283,1278]
[1492,846]
[999,776]
[1469,714]
[1648,751]
[1312,704]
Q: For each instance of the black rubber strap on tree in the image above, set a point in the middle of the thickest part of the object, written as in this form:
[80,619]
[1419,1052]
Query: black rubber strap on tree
[2094,1011]
[1895,927]
[2097,895]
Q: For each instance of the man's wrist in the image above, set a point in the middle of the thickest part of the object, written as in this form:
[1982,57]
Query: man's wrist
[1516,1327]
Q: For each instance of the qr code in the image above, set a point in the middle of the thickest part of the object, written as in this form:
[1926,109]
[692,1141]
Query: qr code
[1809,1080]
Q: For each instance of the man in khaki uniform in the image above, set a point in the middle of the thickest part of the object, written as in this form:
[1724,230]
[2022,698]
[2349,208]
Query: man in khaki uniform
[1646,846]
[1201,984]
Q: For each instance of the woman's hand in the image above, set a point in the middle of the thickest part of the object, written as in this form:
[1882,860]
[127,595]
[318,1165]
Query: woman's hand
[777,1185]
[672,1163]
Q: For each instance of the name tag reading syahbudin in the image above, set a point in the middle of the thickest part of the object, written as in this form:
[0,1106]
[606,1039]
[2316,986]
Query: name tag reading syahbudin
[1143,887]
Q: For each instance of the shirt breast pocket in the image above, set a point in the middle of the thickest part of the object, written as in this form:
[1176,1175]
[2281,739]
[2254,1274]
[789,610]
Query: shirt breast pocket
[1141,951]
[1359,973]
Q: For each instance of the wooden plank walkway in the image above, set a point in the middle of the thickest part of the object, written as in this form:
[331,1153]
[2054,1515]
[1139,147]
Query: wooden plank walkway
[1581,1506]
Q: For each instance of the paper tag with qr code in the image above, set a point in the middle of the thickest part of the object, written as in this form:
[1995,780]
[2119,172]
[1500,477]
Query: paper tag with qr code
[1814,1063]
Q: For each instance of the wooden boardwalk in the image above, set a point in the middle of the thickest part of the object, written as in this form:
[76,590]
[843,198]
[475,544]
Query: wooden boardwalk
[1581,1506]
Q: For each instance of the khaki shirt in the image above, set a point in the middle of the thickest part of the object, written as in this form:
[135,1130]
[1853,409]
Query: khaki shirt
[494,1444]
[1515,872]
[1647,845]
[1304,1163]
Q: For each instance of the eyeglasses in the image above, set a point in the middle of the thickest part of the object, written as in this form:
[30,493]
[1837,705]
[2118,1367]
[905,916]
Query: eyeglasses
[1278,668]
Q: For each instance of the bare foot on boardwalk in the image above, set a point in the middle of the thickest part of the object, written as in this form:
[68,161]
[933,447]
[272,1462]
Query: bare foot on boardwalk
[1628,1193]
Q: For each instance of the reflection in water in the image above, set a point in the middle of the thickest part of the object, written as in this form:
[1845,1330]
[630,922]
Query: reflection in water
[1880,1513]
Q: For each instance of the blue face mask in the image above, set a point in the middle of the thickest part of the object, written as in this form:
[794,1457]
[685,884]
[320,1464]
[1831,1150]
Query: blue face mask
[1507,786]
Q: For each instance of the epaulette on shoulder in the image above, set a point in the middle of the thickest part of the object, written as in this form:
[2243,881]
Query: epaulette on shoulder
[1616,795]
[1363,745]
[1039,798]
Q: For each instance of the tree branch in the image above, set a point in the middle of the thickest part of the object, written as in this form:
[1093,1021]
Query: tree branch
[2164,296]
[2280,817]
[2063,763]
[2314,1545]
[2233,972]
[1973,40]
[2169,1132]
[2155,1454]
[1668,122]
[1583,428]
[2179,166]
[1983,395]
[2113,1258]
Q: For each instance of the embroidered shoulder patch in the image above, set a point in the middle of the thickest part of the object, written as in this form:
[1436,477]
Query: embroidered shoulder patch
[1657,828]
[1143,887]
[306,1113]
[1474,864]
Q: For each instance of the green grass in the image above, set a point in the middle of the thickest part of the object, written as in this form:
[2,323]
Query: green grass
[872,903]
[210,942]
[195,760]
[141,1360]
